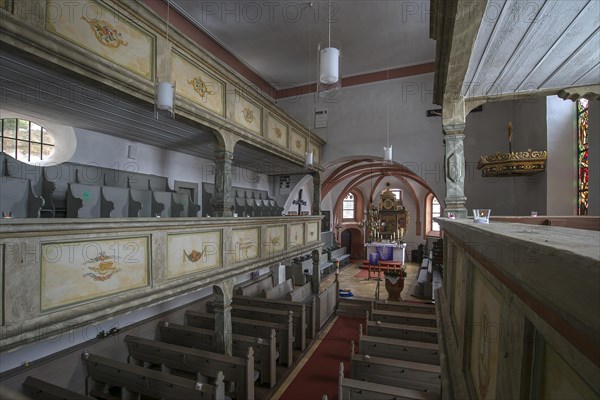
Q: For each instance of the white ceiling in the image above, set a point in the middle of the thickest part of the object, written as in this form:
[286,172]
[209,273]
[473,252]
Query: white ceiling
[533,45]
[272,38]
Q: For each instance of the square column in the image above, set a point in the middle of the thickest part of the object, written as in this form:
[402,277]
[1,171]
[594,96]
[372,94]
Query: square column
[454,173]
[223,197]
[222,298]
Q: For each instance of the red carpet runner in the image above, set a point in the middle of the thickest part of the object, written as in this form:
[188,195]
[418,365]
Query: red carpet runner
[319,375]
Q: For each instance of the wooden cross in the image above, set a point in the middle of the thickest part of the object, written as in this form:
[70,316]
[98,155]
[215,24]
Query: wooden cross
[299,201]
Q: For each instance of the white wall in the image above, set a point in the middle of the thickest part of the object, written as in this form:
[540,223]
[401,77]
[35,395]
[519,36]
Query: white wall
[95,148]
[562,165]
[357,123]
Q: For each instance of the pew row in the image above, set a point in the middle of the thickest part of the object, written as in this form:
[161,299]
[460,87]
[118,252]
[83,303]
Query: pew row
[105,375]
[399,349]
[401,331]
[405,318]
[271,315]
[387,371]
[265,354]
[284,333]
[254,287]
[405,306]
[38,389]
[299,309]
[239,370]
[353,389]
[279,291]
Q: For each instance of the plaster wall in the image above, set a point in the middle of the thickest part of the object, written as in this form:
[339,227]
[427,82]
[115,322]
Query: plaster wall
[486,133]
[594,158]
[357,124]
[94,148]
[561,166]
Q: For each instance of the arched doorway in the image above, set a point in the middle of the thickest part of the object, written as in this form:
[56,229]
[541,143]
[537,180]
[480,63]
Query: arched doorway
[352,240]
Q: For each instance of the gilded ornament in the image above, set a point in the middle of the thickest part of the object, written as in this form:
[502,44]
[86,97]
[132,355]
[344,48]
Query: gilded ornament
[248,115]
[105,33]
[200,87]
[277,132]
[298,144]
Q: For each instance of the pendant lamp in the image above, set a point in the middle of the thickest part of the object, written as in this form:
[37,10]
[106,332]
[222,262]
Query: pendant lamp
[308,157]
[329,64]
[164,98]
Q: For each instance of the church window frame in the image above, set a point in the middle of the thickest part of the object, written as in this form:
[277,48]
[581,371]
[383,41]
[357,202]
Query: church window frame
[433,209]
[349,207]
[582,156]
[26,140]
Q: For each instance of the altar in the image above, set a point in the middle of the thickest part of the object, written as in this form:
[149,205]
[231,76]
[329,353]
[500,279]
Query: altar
[387,251]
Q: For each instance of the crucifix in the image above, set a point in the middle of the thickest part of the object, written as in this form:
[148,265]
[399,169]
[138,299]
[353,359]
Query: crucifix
[299,201]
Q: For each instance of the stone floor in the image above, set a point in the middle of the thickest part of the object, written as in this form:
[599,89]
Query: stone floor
[364,287]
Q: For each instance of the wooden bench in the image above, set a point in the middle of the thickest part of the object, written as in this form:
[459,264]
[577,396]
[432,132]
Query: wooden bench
[387,371]
[343,259]
[407,350]
[271,315]
[284,333]
[104,374]
[173,357]
[265,354]
[279,291]
[406,318]
[254,287]
[18,199]
[353,389]
[401,331]
[38,389]
[302,311]
[405,306]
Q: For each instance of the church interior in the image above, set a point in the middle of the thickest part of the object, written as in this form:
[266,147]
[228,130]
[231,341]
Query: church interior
[351,199]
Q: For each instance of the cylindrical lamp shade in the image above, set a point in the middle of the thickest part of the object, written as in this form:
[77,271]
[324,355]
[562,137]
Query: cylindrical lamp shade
[387,153]
[329,65]
[164,96]
[309,158]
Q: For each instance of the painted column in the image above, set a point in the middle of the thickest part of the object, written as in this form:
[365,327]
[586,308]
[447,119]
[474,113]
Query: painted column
[454,165]
[223,197]
[316,272]
[316,204]
[222,297]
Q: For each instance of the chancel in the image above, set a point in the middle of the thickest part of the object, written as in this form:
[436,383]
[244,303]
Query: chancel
[174,226]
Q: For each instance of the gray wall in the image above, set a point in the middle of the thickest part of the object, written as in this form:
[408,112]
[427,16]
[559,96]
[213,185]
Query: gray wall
[561,166]
[485,134]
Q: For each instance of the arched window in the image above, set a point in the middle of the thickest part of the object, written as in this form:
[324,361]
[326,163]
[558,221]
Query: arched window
[582,157]
[433,209]
[25,140]
[349,207]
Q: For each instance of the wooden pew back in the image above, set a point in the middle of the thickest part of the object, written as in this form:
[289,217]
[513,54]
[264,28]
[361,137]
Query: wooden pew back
[404,306]
[254,287]
[279,291]
[102,372]
[427,353]
[400,331]
[169,356]
[38,389]
[264,349]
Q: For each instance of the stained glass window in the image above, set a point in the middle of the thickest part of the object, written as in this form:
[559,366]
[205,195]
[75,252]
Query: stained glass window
[348,209]
[582,157]
[25,140]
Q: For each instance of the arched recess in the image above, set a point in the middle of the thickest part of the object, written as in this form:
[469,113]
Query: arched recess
[352,237]
[360,170]
[306,184]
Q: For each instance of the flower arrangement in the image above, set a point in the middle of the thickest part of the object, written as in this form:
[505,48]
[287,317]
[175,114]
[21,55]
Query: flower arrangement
[395,272]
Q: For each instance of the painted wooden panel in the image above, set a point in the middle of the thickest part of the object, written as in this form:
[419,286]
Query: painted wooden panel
[2,274]
[245,245]
[76,272]
[274,240]
[560,381]
[296,235]
[277,131]
[193,252]
[297,143]
[247,114]
[198,85]
[458,293]
[316,153]
[485,320]
[312,232]
[103,32]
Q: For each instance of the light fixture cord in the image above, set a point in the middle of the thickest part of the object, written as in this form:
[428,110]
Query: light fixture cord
[309,64]
[387,46]
[168,12]
[329,24]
